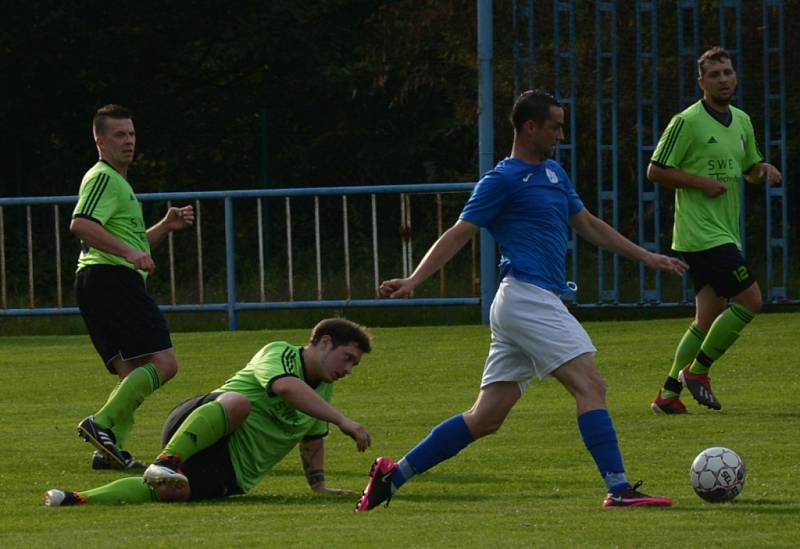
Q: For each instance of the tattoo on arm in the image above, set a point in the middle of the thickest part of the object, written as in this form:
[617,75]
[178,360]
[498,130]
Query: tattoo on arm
[309,454]
[315,476]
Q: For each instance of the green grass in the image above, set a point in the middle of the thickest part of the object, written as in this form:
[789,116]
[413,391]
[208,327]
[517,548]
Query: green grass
[531,485]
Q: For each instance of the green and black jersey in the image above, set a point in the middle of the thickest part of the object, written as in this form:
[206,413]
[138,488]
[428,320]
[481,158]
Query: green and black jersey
[273,427]
[108,199]
[696,142]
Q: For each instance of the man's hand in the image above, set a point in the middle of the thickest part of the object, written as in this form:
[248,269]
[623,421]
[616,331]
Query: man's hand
[357,432]
[178,219]
[769,174]
[141,261]
[322,489]
[714,188]
[665,263]
[396,287]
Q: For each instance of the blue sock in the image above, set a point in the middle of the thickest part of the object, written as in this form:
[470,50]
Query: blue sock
[600,439]
[445,441]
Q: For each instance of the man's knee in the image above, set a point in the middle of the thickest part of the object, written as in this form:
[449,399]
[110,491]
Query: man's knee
[167,493]
[166,364]
[750,299]
[237,408]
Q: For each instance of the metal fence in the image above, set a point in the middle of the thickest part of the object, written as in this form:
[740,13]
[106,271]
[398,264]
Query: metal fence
[390,234]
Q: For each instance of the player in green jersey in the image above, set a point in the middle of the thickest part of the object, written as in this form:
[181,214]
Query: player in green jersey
[124,323]
[703,154]
[225,442]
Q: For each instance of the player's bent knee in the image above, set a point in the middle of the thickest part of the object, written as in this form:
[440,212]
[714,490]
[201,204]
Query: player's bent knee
[237,408]
[167,366]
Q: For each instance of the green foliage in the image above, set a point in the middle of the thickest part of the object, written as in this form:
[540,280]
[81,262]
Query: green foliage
[531,485]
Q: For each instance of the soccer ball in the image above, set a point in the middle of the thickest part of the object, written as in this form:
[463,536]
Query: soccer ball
[717,474]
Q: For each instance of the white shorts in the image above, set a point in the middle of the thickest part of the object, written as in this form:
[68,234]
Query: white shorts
[532,332]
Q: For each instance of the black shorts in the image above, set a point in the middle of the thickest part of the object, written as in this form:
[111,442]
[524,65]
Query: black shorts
[210,472]
[722,267]
[121,317]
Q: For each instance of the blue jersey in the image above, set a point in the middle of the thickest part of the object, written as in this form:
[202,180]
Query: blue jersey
[526,208]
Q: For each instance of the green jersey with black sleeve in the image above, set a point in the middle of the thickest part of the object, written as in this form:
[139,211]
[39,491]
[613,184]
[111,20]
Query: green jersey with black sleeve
[698,143]
[108,199]
[273,427]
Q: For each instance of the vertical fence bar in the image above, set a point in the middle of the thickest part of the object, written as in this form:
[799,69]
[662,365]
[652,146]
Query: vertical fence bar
[230,263]
[775,146]
[605,16]
[439,226]
[564,12]
[375,245]
[524,45]
[688,88]
[732,10]
[31,289]
[289,248]
[3,291]
[59,291]
[318,253]
[171,243]
[199,243]
[486,146]
[409,235]
[260,224]
[647,132]
[346,236]
[403,235]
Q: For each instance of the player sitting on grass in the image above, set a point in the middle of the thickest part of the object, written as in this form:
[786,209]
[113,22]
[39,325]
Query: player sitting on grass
[224,443]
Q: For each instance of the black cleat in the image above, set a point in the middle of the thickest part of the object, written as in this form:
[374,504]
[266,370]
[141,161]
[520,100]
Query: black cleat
[700,387]
[131,463]
[103,439]
[631,497]
[379,487]
[59,498]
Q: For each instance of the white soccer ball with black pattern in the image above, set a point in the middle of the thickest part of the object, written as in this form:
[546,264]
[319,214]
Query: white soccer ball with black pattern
[718,474]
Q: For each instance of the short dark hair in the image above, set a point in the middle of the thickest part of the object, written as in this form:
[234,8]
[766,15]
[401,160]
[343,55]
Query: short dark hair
[109,111]
[712,54]
[532,105]
[342,332]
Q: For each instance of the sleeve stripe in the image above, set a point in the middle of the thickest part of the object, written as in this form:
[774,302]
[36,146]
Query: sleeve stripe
[287,360]
[99,187]
[671,137]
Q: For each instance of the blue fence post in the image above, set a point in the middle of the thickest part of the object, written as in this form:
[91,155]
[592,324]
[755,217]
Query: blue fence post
[486,146]
[775,109]
[688,73]
[647,133]
[230,265]
[567,53]
[606,145]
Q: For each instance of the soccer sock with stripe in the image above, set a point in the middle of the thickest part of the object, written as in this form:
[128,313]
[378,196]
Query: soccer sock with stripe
[684,354]
[124,490]
[128,395]
[723,333]
[204,426]
[600,439]
[445,441]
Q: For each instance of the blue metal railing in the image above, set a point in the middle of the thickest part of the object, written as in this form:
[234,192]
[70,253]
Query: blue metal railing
[232,306]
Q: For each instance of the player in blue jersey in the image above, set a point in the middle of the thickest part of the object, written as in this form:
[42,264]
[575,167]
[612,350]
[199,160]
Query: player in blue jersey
[528,204]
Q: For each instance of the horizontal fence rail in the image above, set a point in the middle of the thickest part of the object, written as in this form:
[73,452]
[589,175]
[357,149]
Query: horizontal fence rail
[301,248]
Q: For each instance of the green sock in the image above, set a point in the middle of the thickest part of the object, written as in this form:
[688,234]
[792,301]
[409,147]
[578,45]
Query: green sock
[124,490]
[685,352]
[723,333]
[122,430]
[128,395]
[204,426]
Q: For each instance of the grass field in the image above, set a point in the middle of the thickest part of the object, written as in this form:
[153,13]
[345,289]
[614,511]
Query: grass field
[531,485]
